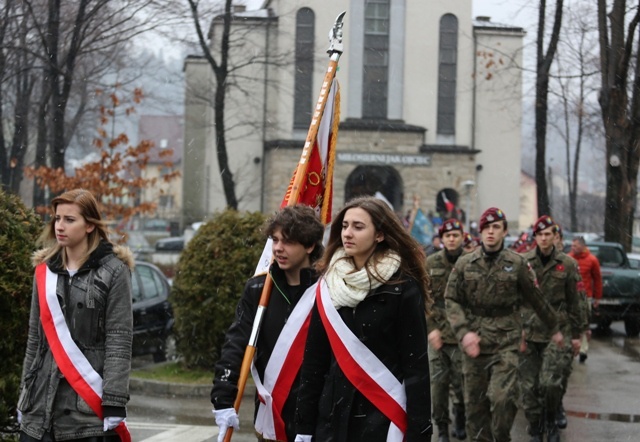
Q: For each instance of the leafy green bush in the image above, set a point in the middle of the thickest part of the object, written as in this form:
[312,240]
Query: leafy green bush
[211,274]
[19,228]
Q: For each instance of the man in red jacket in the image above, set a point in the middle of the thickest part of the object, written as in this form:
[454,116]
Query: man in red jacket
[592,279]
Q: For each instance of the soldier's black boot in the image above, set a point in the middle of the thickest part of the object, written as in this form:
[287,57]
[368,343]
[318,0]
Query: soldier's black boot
[536,431]
[443,433]
[459,423]
[561,417]
[553,434]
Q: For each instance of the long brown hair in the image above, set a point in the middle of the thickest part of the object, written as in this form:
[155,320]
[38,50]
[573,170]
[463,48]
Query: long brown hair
[88,210]
[396,238]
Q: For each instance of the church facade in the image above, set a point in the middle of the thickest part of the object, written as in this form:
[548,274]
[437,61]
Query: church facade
[430,106]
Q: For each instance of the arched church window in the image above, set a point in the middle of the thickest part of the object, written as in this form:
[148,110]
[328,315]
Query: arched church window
[447,73]
[303,78]
[376,59]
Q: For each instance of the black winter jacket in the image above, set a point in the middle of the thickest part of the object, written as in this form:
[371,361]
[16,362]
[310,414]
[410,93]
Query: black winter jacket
[227,369]
[391,322]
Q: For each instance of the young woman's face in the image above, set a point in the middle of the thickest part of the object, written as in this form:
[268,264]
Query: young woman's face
[70,226]
[359,235]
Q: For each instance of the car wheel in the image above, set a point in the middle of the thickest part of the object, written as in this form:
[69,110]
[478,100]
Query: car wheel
[632,327]
[168,350]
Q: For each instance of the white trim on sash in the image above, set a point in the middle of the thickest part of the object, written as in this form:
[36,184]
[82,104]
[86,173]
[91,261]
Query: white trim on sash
[264,423]
[364,357]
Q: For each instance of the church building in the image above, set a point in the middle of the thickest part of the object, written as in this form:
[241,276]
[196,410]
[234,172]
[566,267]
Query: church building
[431,106]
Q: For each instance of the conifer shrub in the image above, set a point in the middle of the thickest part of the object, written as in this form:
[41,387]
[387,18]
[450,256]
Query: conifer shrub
[211,275]
[19,229]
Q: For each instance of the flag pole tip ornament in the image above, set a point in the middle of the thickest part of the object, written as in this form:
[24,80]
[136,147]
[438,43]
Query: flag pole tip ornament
[335,36]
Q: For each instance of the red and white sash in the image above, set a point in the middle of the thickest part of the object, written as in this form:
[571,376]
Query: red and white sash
[282,369]
[363,369]
[71,361]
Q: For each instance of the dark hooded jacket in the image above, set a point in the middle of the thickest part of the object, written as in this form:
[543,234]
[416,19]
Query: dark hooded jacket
[391,322]
[281,304]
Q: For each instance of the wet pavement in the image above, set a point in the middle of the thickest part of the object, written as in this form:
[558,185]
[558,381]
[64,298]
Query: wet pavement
[602,403]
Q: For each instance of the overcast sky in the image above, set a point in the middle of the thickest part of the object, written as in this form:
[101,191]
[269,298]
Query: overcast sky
[514,12]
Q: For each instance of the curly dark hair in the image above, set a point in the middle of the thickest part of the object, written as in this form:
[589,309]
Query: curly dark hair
[396,238]
[298,223]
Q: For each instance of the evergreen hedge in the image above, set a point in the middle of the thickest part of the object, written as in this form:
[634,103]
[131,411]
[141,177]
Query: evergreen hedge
[19,229]
[211,275]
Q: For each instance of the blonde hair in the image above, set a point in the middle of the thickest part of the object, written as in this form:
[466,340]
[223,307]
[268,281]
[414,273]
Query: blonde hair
[88,206]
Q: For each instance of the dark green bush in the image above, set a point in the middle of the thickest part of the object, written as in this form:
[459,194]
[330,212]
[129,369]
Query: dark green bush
[211,274]
[19,228]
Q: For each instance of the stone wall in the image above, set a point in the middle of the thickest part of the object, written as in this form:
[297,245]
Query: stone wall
[445,169]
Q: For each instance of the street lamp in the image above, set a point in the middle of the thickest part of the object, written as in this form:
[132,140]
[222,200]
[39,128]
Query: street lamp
[468,185]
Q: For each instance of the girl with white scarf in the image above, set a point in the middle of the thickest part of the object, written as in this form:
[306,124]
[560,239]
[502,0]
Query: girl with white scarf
[374,351]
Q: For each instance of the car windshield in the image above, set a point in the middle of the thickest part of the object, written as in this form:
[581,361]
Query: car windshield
[608,256]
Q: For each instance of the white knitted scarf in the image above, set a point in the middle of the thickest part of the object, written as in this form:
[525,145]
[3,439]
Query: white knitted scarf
[348,286]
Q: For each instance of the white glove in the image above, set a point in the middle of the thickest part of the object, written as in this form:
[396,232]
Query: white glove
[303,438]
[112,422]
[225,418]
[19,416]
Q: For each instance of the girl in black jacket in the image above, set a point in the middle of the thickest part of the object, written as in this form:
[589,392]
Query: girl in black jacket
[365,374]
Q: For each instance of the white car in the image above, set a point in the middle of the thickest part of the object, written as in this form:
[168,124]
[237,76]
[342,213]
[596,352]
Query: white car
[634,260]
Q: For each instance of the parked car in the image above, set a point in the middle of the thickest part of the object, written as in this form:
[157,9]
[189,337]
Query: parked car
[634,260]
[588,236]
[620,288]
[138,244]
[171,244]
[152,313]
[156,225]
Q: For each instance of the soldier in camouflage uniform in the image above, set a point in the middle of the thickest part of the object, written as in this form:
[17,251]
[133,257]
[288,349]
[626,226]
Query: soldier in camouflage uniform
[543,363]
[444,352]
[483,298]
[561,416]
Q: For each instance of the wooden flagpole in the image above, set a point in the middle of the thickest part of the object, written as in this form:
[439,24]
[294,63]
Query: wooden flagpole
[335,51]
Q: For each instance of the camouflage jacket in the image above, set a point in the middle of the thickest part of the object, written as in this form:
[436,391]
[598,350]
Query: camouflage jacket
[439,269]
[559,281]
[484,295]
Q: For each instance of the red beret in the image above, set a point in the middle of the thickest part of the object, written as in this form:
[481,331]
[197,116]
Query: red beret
[543,222]
[449,225]
[468,239]
[491,215]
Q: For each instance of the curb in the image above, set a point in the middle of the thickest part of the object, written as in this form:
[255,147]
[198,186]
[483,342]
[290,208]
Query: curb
[172,389]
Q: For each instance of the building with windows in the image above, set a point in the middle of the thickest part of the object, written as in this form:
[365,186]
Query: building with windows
[165,132]
[430,105]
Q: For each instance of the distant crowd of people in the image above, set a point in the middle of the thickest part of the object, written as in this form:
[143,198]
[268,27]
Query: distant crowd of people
[363,339]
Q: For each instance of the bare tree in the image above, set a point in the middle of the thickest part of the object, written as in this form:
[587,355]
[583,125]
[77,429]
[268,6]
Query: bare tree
[220,69]
[17,80]
[53,55]
[575,89]
[543,67]
[620,104]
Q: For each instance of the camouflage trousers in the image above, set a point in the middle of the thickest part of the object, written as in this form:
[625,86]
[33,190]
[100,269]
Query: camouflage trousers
[490,395]
[543,369]
[445,368]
